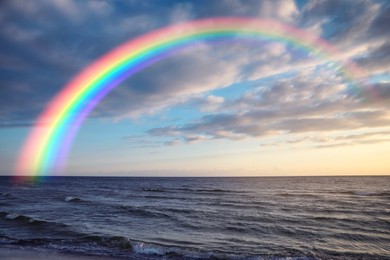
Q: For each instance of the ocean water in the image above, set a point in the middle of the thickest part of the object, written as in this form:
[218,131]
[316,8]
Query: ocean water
[200,218]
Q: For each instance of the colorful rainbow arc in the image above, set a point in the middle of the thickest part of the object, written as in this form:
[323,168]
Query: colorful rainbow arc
[49,142]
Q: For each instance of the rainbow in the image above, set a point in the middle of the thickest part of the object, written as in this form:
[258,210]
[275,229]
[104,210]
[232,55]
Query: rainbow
[48,143]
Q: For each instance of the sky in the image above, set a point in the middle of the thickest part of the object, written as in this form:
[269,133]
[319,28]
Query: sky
[233,108]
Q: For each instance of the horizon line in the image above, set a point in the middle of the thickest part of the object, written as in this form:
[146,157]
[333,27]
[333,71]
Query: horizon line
[199,176]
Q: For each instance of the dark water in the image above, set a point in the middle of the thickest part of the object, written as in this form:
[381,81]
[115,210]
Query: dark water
[206,218]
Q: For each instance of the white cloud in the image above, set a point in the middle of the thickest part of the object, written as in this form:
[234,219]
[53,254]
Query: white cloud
[19,34]
[101,8]
[276,49]
[212,103]
[284,10]
[68,8]
[294,106]
[181,12]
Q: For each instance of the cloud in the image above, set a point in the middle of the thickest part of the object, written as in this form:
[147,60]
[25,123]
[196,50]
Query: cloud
[360,136]
[376,95]
[181,12]
[170,82]
[289,107]
[329,140]
[354,142]
[355,28]
[376,59]
[45,43]
[16,125]
[39,56]
[341,20]
[284,10]
[205,103]
[378,26]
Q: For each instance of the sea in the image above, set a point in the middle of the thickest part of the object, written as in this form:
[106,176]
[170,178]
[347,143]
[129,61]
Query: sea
[199,218]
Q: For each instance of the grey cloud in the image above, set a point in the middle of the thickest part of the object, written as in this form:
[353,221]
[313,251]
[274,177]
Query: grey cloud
[169,82]
[377,59]
[382,92]
[43,44]
[164,131]
[284,10]
[373,95]
[361,136]
[379,26]
[17,124]
[44,53]
[315,125]
[172,142]
[342,20]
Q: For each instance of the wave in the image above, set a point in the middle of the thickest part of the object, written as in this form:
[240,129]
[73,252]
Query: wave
[23,218]
[180,210]
[326,193]
[119,242]
[156,189]
[159,197]
[72,199]
[368,193]
[5,194]
[331,218]
[210,190]
[364,193]
[142,212]
[174,252]
[120,246]
[304,195]
[7,240]
[32,242]
[20,219]
[161,189]
[142,248]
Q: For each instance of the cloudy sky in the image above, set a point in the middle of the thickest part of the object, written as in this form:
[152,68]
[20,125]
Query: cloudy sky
[229,108]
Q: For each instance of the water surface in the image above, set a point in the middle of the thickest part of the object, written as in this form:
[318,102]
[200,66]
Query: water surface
[206,218]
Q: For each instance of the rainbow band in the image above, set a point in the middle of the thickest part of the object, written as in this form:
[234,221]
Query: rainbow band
[48,145]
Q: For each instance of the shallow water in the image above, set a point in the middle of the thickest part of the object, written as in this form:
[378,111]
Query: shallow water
[236,218]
